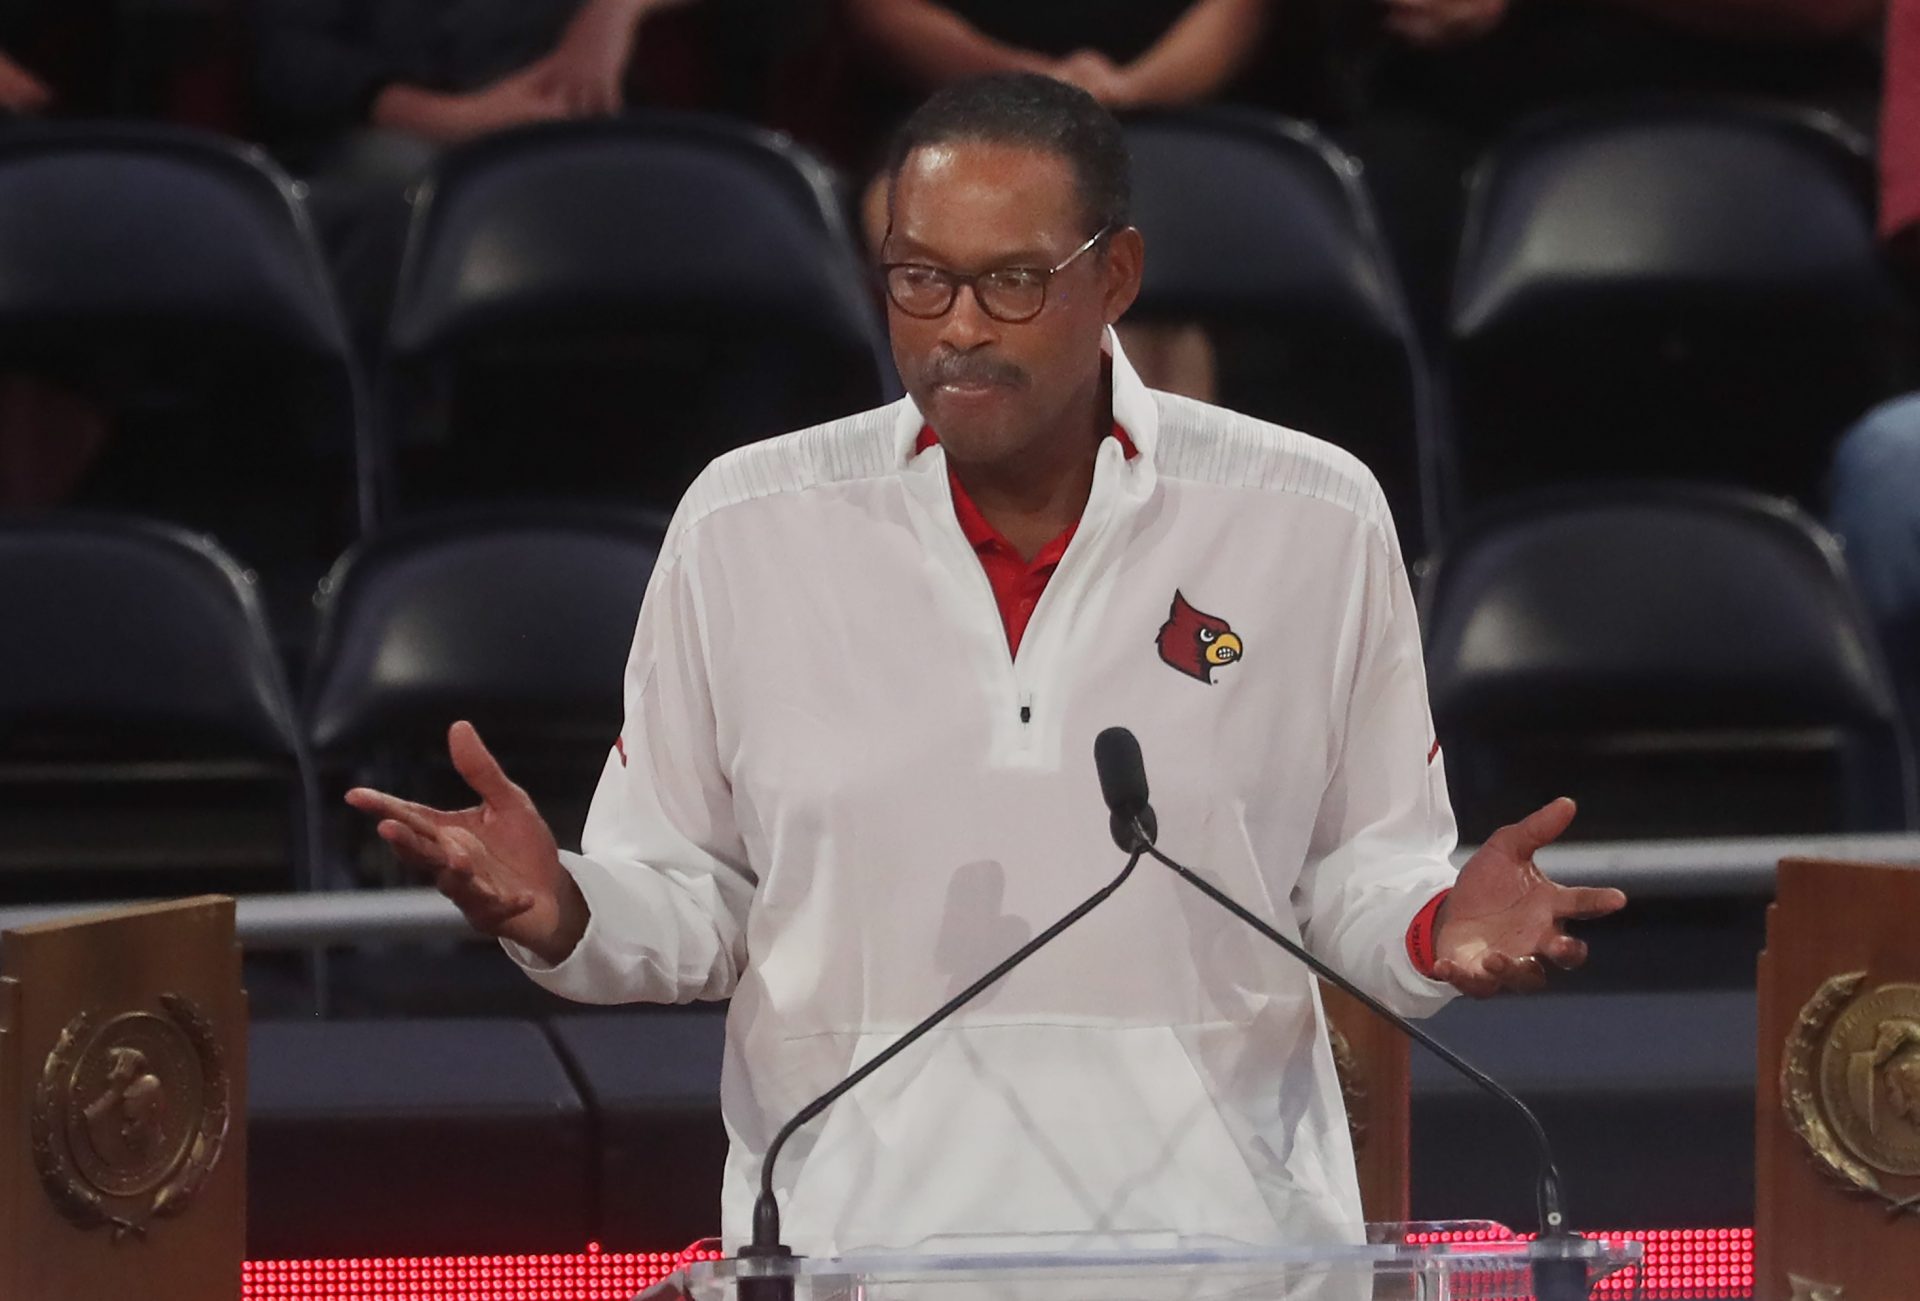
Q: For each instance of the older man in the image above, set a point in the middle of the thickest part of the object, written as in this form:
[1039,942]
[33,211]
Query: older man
[856,768]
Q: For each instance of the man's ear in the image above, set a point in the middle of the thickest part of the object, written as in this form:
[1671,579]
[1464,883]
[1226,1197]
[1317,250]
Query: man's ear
[1126,255]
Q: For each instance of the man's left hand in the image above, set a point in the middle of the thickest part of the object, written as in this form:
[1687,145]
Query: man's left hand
[1502,923]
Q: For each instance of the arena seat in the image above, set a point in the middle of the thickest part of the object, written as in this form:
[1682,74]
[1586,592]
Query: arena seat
[1688,661]
[598,309]
[167,283]
[409,1137]
[148,742]
[1647,1098]
[1259,230]
[517,619]
[652,1079]
[1670,290]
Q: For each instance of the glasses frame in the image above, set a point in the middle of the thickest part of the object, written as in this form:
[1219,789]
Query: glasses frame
[955,281]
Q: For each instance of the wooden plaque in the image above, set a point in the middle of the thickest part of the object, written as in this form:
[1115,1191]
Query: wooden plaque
[1837,1139]
[122,1095]
[1374,1074]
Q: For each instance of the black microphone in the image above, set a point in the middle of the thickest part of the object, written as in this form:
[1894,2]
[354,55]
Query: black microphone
[1123,783]
[766,1244]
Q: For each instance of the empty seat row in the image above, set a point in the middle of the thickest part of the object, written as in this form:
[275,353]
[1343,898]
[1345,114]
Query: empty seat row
[594,310]
[1690,660]
[466,1135]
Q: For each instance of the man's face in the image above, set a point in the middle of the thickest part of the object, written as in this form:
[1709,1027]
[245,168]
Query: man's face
[992,390]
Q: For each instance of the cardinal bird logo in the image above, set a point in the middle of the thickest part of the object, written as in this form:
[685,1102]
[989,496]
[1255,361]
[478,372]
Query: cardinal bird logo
[1197,643]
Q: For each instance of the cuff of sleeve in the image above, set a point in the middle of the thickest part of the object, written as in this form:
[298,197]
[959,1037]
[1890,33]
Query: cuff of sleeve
[551,974]
[1420,937]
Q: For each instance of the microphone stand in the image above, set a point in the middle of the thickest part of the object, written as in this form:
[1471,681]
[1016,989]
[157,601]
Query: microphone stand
[1563,1279]
[766,1244]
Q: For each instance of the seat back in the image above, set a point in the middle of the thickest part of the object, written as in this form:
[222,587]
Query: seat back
[1258,229]
[598,309]
[1687,661]
[148,742]
[1670,289]
[171,281]
[519,621]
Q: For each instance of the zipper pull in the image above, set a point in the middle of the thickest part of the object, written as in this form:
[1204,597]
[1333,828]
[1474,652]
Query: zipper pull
[1026,709]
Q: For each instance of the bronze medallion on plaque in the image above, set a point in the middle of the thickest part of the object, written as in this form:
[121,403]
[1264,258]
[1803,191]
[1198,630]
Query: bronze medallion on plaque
[130,1115]
[1850,1083]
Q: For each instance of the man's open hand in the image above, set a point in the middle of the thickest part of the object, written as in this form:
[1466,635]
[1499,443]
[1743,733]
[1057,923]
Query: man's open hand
[1502,923]
[497,860]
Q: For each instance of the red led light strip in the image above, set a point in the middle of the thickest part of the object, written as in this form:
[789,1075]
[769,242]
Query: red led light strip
[1681,1265]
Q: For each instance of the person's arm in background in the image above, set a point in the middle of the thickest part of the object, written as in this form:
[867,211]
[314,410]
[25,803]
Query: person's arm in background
[1900,134]
[316,77]
[21,91]
[1196,57]
[1440,23]
[932,46]
[588,68]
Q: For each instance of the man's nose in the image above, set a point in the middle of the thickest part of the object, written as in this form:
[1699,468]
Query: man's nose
[965,325]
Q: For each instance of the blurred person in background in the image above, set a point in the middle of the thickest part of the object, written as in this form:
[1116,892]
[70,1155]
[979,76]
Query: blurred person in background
[1875,486]
[361,96]
[1442,79]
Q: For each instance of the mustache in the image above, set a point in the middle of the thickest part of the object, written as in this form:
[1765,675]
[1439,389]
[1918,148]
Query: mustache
[973,368]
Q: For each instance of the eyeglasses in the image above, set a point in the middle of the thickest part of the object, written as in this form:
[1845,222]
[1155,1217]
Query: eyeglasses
[1008,294]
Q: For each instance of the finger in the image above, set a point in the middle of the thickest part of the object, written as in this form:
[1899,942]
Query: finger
[1586,902]
[1468,980]
[383,805]
[412,848]
[1565,952]
[477,766]
[423,821]
[1537,830]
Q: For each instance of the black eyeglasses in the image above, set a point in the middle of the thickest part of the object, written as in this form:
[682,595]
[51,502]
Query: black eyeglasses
[1007,294]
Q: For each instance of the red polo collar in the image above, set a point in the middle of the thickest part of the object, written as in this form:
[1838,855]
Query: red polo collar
[1017,584]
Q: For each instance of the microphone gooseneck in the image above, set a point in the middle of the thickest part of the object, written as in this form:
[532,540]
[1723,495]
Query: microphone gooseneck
[1123,781]
[766,1208]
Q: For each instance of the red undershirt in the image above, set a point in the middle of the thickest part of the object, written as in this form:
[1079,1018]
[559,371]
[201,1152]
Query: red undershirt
[1017,585]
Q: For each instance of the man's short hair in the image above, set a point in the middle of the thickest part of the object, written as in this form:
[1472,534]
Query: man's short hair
[1024,108]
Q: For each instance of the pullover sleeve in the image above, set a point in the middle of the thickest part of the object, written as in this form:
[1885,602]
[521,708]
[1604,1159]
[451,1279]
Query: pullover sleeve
[1384,835]
[662,863]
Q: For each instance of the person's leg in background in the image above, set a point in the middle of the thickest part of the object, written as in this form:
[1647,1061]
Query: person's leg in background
[1875,508]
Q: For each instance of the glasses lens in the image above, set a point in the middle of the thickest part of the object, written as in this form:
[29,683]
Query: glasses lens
[918,290]
[1013,295]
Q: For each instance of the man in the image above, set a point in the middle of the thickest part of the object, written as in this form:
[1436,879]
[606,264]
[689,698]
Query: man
[856,769]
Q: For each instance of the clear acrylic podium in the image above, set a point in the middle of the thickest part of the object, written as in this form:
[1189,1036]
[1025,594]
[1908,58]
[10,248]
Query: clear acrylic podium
[1456,1261]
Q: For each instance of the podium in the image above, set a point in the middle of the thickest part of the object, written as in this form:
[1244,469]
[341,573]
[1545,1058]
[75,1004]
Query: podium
[1837,1141]
[1397,1262]
[122,1087]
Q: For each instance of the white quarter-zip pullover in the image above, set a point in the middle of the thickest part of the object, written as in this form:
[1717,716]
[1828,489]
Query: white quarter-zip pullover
[839,800]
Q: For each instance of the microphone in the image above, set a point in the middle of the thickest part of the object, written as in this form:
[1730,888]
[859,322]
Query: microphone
[766,1244]
[1123,783]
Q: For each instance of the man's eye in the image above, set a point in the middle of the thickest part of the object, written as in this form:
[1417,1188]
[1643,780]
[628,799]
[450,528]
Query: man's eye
[917,277]
[1015,280]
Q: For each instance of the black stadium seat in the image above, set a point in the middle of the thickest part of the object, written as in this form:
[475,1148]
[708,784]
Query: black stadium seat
[409,1138]
[1258,229]
[516,619]
[170,279]
[148,743]
[1688,661]
[652,1079]
[598,309]
[1670,290]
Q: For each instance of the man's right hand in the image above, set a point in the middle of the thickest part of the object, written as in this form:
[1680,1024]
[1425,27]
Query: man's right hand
[497,861]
